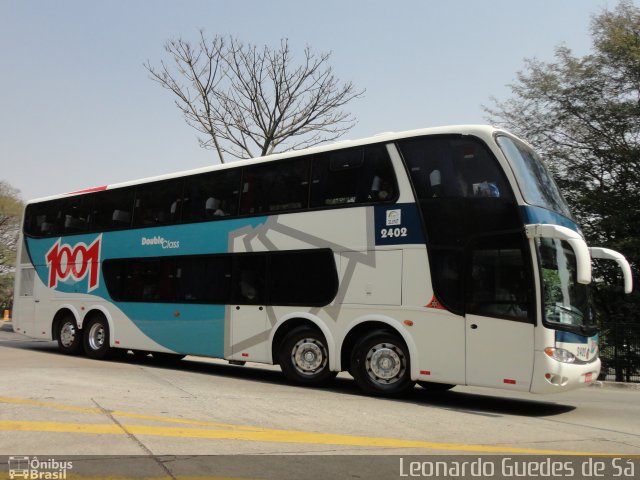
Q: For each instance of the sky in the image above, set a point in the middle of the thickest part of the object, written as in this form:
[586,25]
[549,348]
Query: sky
[78,109]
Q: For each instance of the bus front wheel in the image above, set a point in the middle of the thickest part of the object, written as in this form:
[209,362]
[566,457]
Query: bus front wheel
[96,338]
[304,357]
[380,364]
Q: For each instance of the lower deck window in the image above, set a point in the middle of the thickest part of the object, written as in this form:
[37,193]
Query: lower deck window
[299,277]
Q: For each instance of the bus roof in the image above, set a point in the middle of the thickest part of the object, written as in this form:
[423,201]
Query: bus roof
[478,130]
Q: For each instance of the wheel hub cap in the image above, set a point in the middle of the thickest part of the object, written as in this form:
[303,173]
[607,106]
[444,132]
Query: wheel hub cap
[96,336]
[67,334]
[308,356]
[384,363]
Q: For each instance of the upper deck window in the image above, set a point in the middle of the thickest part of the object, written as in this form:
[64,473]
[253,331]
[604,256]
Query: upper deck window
[535,181]
[335,179]
[463,195]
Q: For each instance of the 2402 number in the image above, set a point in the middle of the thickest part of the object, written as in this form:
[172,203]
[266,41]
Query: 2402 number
[393,232]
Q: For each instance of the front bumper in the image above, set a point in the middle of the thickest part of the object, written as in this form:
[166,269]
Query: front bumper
[551,376]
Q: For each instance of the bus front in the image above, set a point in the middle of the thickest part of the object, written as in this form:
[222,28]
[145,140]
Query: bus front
[566,353]
[509,268]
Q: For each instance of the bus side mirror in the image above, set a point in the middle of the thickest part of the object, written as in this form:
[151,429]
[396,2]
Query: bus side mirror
[579,246]
[607,254]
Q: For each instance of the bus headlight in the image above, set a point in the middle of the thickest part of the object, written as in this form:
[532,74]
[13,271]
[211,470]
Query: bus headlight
[560,354]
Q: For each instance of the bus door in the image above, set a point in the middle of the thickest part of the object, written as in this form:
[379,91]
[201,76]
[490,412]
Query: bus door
[25,302]
[248,316]
[249,333]
[499,313]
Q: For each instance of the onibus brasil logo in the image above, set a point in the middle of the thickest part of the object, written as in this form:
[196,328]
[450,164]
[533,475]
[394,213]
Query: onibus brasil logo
[67,262]
[34,469]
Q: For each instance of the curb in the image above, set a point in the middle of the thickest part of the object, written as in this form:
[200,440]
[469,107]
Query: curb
[621,385]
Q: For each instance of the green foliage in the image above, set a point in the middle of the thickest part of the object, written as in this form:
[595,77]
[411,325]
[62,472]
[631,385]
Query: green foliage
[583,115]
[10,211]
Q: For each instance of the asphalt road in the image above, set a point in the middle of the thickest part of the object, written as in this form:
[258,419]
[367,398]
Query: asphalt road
[51,404]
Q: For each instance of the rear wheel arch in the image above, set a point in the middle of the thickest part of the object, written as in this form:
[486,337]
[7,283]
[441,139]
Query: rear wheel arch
[363,327]
[288,324]
[381,363]
[59,316]
[96,311]
[97,335]
[64,330]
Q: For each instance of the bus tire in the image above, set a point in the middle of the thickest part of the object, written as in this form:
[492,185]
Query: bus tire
[96,338]
[304,357]
[68,334]
[380,364]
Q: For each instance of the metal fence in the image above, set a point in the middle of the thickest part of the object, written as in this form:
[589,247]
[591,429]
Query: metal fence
[620,352]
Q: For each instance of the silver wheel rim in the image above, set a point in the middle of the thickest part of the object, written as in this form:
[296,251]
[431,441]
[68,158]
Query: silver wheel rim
[67,334]
[96,336]
[386,363]
[309,356]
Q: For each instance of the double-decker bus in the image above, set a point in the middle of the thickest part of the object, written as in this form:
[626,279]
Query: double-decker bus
[443,256]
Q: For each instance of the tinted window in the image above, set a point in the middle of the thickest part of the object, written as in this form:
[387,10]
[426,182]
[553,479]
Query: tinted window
[42,219]
[498,278]
[275,187]
[144,280]
[357,175]
[354,176]
[445,167]
[211,195]
[75,213]
[302,278]
[158,203]
[463,194]
[249,279]
[112,209]
[535,181]
[203,279]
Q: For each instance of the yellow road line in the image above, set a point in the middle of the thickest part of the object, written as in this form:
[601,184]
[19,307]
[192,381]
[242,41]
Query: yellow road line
[56,406]
[223,431]
[269,436]
[116,413]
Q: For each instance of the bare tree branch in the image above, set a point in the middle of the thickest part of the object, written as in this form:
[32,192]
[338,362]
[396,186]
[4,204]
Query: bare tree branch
[250,101]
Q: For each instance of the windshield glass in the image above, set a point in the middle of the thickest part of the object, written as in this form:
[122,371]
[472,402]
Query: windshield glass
[566,302]
[535,181]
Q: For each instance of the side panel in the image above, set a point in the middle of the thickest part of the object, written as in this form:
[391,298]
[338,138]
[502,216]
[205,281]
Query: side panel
[249,333]
[371,278]
[439,335]
[24,303]
[499,353]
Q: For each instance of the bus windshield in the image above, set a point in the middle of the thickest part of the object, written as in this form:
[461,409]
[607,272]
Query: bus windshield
[535,181]
[566,302]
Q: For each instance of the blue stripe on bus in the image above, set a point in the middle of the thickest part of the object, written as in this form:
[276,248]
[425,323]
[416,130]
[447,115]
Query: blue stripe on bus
[200,327]
[570,337]
[533,215]
[183,328]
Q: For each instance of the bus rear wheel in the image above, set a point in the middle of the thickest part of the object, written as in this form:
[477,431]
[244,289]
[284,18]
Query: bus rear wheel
[380,364]
[69,336]
[304,357]
[96,338]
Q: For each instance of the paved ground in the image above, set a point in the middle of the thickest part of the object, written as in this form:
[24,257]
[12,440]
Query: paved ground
[51,404]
